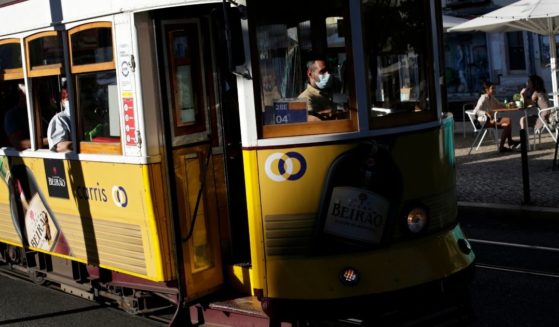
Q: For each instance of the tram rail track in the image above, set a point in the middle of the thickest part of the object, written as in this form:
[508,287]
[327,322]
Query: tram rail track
[483,263]
[517,270]
[14,272]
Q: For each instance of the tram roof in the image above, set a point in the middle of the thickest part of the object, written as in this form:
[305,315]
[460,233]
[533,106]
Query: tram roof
[28,15]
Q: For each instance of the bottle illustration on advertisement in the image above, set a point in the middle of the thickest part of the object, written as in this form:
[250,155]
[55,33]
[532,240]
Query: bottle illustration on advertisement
[31,214]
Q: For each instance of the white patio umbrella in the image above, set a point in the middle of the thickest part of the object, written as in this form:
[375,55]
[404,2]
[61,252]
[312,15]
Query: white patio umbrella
[451,21]
[537,16]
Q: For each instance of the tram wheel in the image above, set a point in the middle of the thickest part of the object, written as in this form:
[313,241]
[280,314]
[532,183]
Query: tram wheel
[37,277]
[13,255]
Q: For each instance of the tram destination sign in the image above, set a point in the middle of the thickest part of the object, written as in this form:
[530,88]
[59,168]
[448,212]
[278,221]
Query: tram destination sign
[287,111]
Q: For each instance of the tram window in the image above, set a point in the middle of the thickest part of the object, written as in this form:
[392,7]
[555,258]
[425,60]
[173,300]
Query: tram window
[46,103]
[44,56]
[11,81]
[9,99]
[44,51]
[286,41]
[185,78]
[398,50]
[92,46]
[10,60]
[97,106]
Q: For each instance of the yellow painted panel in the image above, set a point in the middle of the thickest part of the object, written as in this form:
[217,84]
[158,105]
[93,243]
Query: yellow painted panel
[283,196]
[284,187]
[258,257]
[109,216]
[397,267]
[201,252]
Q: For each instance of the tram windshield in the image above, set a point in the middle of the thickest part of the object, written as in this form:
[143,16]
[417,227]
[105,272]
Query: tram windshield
[397,42]
[303,64]
[397,45]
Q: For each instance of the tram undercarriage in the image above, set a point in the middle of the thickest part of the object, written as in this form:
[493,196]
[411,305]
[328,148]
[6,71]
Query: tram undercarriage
[158,301]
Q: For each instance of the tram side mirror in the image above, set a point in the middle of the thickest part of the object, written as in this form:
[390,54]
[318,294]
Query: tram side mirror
[237,47]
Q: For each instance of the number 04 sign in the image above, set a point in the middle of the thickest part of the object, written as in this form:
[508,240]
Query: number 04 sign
[287,111]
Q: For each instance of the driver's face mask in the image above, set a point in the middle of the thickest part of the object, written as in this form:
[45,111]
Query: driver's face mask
[324,81]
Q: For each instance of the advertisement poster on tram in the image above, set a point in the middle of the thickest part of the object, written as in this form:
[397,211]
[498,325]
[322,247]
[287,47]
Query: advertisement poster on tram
[33,220]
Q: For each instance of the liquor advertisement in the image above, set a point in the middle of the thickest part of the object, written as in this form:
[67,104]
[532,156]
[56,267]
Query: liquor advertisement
[34,221]
[41,232]
[357,214]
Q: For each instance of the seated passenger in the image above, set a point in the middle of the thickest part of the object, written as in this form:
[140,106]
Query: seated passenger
[16,123]
[270,88]
[319,91]
[59,132]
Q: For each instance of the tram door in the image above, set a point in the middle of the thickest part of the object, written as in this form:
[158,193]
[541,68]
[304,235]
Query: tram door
[193,100]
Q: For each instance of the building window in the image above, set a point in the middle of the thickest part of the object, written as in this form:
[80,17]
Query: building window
[515,42]
[545,54]
[466,63]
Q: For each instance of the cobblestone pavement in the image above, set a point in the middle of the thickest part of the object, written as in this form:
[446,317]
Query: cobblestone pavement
[489,177]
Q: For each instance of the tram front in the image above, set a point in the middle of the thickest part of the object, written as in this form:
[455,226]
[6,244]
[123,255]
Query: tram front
[349,159]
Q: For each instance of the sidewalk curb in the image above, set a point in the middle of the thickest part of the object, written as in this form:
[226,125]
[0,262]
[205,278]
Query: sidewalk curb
[500,209]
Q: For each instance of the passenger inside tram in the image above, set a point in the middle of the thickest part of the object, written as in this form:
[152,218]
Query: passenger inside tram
[16,123]
[59,131]
[6,103]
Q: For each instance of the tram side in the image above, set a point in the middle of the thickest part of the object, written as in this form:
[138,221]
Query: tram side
[113,216]
[197,170]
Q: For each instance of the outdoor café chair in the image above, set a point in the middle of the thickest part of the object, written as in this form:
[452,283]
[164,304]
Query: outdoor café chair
[480,130]
[553,130]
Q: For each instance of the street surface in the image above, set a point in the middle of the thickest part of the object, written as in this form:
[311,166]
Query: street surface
[517,275]
[25,304]
[516,283]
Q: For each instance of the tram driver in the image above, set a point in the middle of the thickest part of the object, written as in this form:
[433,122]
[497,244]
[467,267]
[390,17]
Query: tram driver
[59,131]
[319,91]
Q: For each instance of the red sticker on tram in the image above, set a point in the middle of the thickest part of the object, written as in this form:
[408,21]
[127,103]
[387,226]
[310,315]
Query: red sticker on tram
[129,121]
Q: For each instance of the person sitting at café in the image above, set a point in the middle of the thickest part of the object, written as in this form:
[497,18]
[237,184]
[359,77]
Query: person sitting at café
[534,94]
[59,132]
[318,93]
[488,102]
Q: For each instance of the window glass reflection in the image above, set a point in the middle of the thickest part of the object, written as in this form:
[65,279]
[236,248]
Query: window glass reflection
[399,80]
[92,46]
[45,51]
[98,106]
[10,56]
[302,63]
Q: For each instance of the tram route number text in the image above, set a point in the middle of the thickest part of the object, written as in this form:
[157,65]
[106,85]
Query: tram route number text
[290,111]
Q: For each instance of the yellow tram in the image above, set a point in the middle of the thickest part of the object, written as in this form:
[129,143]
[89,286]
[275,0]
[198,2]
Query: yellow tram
[291,155]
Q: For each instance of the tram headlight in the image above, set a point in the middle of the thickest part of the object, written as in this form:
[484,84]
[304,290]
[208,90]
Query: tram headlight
[417,219]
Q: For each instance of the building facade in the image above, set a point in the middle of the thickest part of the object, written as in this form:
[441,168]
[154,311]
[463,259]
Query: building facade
[506,59]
